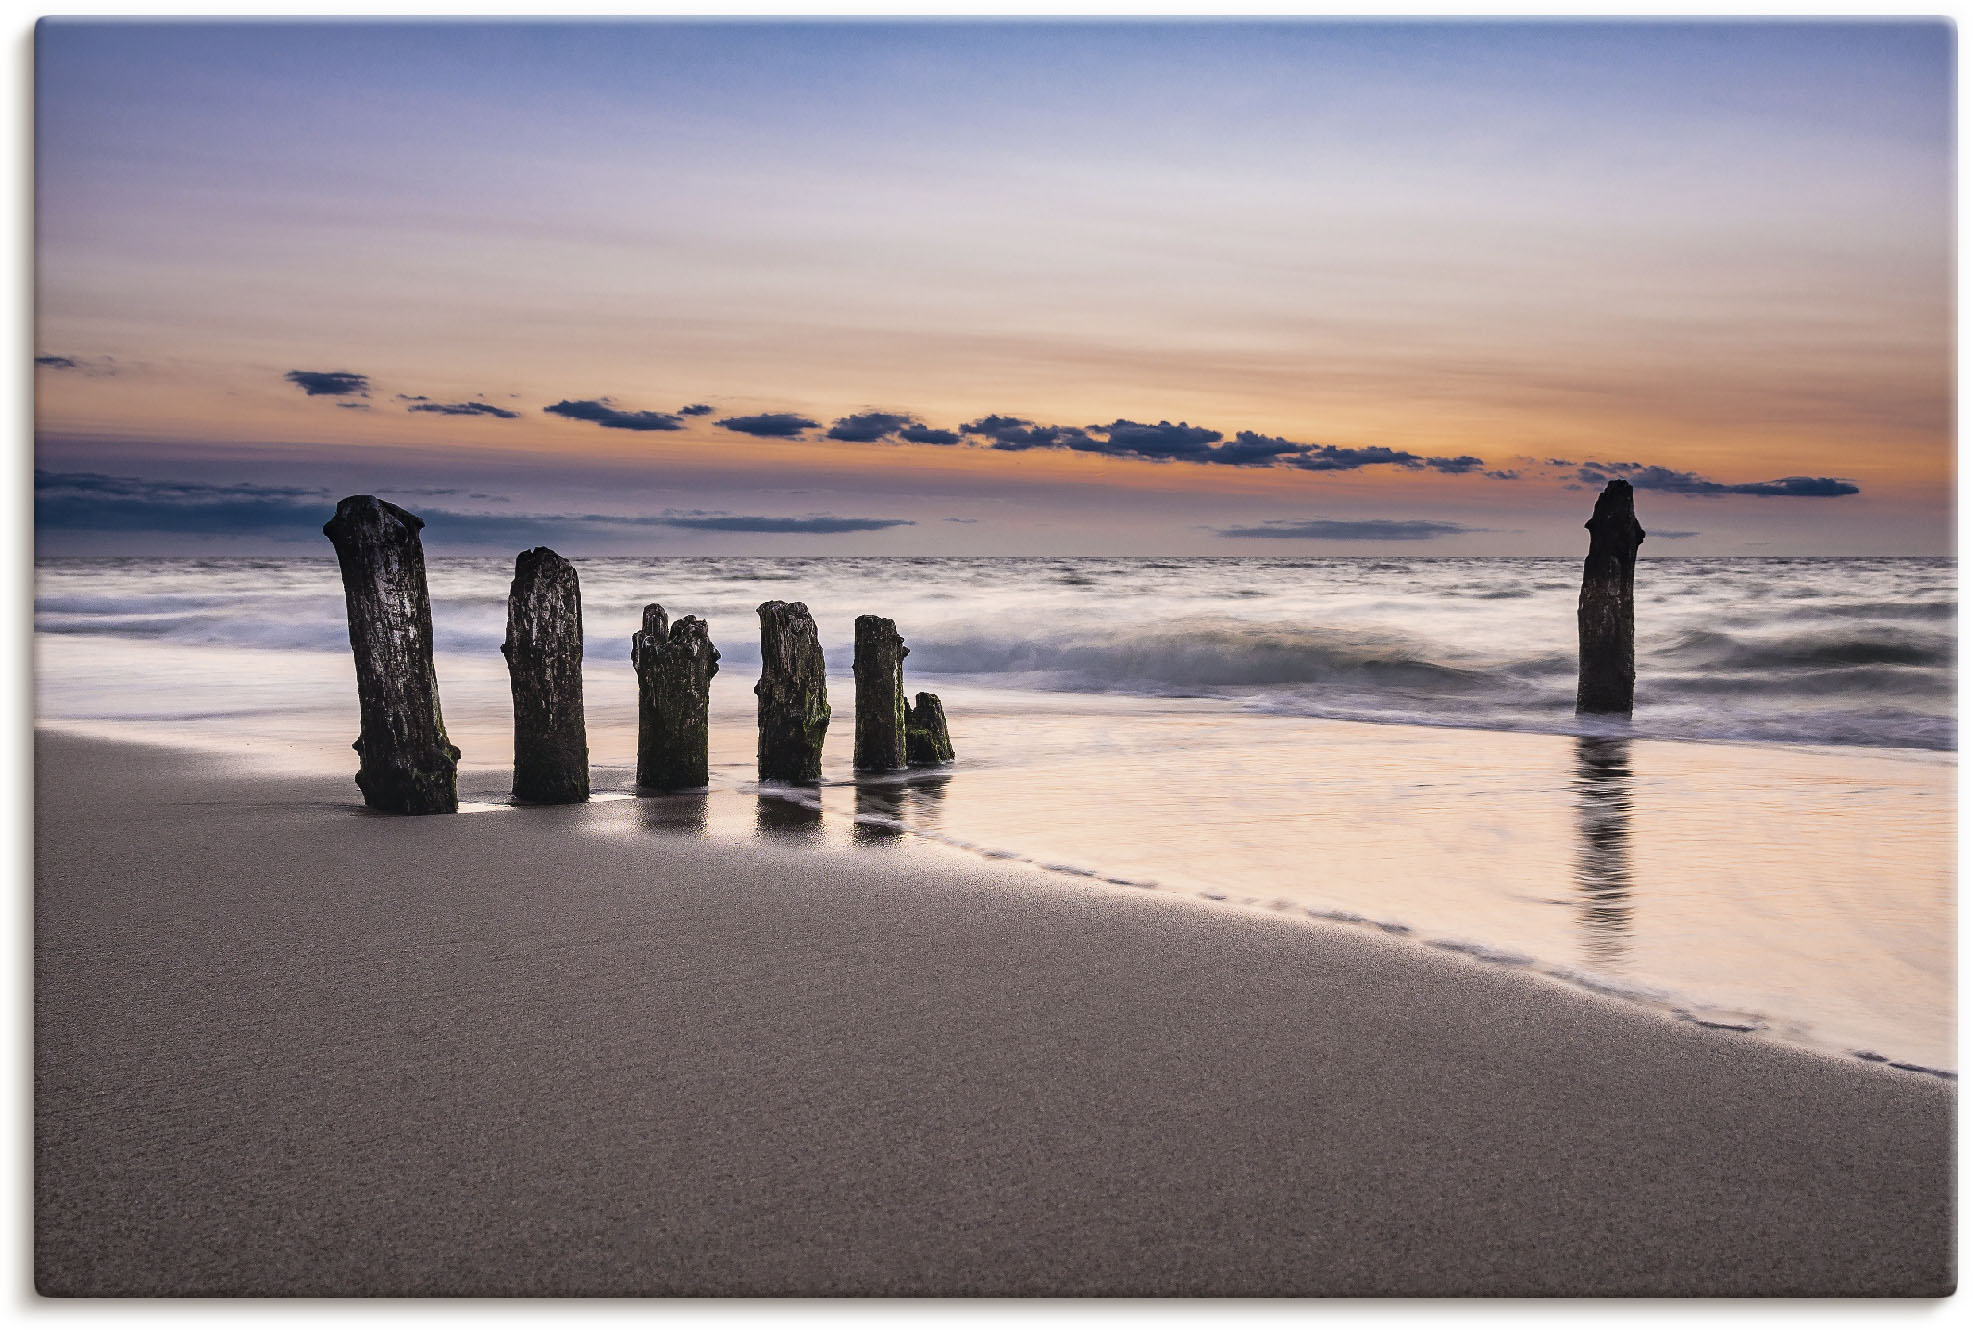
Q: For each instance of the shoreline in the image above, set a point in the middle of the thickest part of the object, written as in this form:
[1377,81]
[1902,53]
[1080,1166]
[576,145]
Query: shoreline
[484,786]
[284,1046]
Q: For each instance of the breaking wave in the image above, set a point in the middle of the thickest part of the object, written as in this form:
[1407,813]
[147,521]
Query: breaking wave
[1839,651]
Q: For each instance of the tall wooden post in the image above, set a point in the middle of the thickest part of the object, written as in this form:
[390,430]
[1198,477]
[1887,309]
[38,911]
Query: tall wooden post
[1606,617]
[406,763]
[675,666]
[793,710]
[880,654]
[544,666]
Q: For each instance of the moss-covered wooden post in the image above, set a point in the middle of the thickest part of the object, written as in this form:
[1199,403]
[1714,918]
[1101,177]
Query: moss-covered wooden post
[1606,616]
[793,708]
[675,665]
[544,667]
[880,654]
[926,741]
[406,764]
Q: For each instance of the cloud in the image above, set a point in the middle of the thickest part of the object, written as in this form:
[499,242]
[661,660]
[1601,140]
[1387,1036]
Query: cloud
[1163,441]
[696,409]
[1674,535]
[354,406]
[773,425]
[1454,466]
[1375,528]
[101,368]
[1013,434]
[598,411]
[463,409]
[926,434]
[1667,481]
[963,521]
[868,427]
[89,501]
[329,383]
[73,502]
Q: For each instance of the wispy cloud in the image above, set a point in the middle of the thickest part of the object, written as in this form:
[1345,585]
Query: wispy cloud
[1665,480]
[600,411]
[329,382]
[696,409]
[1374,528]
[464,409]
[97,368]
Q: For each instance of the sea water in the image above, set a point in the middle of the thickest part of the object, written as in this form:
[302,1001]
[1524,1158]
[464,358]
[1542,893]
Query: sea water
[1767,844]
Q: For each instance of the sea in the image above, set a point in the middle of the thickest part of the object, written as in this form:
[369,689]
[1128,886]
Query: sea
[1766,846]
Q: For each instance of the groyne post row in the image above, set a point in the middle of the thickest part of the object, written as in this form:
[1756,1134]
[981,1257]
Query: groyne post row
[1606,613]
[407,764]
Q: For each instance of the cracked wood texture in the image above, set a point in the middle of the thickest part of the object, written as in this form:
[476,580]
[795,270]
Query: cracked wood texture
[675,666]
[406,764]
[1606,616]
[880,654]
[544,666]
[793,708]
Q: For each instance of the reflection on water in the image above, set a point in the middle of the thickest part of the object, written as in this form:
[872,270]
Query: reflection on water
[886,811]
[786,816]
[879,814]
[1603,849]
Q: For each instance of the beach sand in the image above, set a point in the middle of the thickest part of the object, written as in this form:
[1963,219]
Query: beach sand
[287,1047]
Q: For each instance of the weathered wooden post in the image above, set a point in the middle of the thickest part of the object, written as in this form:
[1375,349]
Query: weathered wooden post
[793,710]
[1606,619]
[406,763]
[926,742]
[880,654]
[544,666]
[674,673]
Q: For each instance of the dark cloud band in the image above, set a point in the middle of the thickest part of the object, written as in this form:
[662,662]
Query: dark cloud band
[1667,481]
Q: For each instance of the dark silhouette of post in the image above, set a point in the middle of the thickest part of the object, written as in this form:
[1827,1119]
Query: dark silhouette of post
[544,666]
[675,667]
[406,764]
[793,709]
[880,654]
[1606,617]
[926,742]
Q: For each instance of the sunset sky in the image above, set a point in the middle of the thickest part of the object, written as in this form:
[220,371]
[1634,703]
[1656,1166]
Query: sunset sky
[1409,287]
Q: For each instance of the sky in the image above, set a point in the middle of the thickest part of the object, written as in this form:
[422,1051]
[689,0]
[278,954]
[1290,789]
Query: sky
[946,287]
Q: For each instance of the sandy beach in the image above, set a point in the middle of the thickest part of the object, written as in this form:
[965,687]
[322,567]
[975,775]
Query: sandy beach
[287,1047]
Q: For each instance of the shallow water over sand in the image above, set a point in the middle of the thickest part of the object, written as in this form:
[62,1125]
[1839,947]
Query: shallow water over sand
[1802,891]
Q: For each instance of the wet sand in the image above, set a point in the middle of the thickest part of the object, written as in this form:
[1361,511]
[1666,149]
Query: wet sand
[286,1047]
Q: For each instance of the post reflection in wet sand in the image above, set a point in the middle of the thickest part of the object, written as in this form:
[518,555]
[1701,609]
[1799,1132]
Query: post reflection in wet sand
[886,811]
[879,814]
[787,815]
[674,813]
[1603,848]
